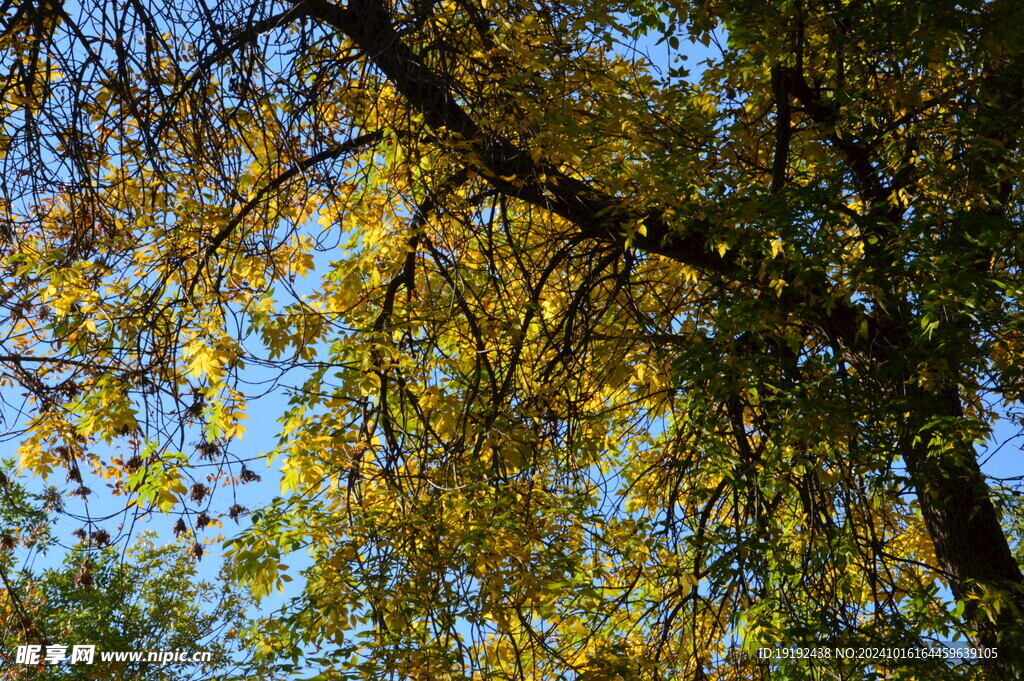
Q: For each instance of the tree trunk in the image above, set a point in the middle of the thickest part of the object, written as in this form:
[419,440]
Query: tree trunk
[969,541]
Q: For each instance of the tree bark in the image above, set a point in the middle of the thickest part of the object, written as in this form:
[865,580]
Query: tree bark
[964,527]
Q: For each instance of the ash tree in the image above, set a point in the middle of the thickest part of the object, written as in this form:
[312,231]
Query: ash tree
[596,367]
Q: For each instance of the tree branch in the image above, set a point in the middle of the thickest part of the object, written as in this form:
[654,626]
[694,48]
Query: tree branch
[288,175]
[510,169]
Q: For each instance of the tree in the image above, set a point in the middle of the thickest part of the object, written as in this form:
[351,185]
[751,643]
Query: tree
[605,373]
[149,600]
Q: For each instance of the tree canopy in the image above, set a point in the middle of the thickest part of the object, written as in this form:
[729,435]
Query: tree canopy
[597,367]
[148,598]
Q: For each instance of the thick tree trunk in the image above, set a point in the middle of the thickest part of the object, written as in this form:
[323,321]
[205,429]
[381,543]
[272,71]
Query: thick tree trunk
[964,526]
